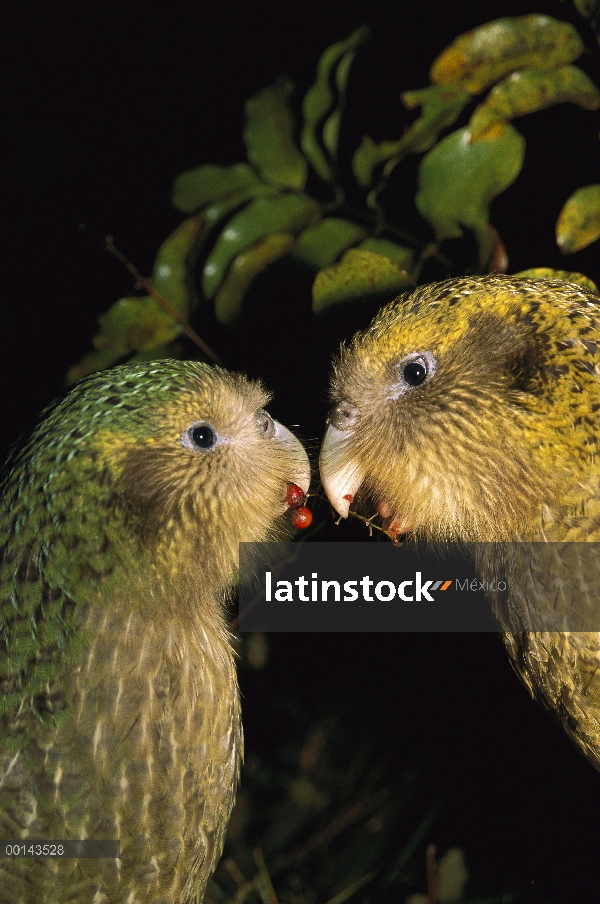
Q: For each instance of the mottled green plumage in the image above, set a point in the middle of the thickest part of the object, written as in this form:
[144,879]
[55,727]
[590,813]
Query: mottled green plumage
[120,710]
[498,442]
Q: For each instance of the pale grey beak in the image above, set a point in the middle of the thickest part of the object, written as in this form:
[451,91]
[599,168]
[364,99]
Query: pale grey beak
[341,482]
[302,475]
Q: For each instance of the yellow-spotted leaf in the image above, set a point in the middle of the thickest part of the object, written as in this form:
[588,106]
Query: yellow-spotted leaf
[244,269]
[578,223]
[396,253]
[196,187]
[480,57]
[130,325]
[269,137]
[320,245]
[320,100]
[547,273]
[528,90]
[169,276]
[441,107]
[458,179]
[359,274]
[279,213]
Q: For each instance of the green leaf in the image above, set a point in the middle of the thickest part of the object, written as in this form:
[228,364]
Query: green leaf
[331,127]
[547,273]
[590,9]
[135,324]
[279,213]
[458,179]
[331,131]
[578,223]
[130,325]
[269,137]
[396,253]
[169,276]
[370,154]
[244,269]
[480,57]
[319,100]
[587,8]
[359,274]
[529,90]
[320,245]
[196,187]
[210,217]
[222,207]
[441,107]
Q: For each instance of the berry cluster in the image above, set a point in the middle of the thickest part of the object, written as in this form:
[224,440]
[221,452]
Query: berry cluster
[301,516]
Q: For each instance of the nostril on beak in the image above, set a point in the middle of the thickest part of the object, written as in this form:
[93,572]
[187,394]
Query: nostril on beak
[343,416]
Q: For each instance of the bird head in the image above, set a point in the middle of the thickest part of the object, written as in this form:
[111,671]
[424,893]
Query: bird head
[166,463]
[466,409]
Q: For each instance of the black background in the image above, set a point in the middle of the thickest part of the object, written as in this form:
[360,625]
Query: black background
[104,104]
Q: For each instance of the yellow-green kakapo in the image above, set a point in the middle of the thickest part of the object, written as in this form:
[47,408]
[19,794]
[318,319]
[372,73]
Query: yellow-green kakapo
[469,410]
[120,716]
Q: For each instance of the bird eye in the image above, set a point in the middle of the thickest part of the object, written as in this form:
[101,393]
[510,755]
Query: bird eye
[410,372]
[199,436]
[415,372]
[203,436]
[265,424]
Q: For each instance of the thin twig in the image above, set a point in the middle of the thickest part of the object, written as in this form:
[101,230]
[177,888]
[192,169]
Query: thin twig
[353,888]
[412,845]
[147,285]
[431,875]
[234,871]
[321,838]
[244,891]
[265,886]
[369,522]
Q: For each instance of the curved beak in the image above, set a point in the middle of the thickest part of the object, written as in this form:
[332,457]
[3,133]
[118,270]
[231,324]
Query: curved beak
[296,451]
[340,482]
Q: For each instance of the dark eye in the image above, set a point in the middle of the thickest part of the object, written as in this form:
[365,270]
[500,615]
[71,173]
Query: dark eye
[415,372]
[199,436]
[203,436]
[410,372]
[265,424]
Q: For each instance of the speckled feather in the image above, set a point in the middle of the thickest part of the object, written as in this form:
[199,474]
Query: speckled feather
[499,443]
[120,714]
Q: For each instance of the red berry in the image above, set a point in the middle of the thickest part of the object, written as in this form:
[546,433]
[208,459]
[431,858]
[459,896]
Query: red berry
[294,496]
[301,517]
